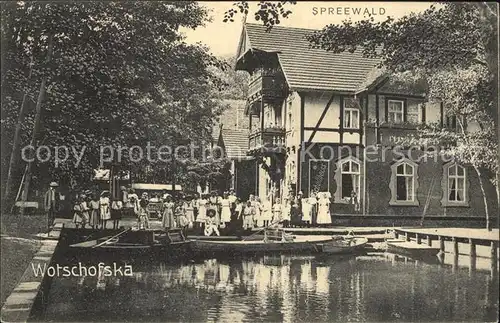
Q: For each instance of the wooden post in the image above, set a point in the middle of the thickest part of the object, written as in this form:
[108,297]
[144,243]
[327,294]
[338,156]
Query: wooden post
[494,259]
[407,237]
[441,243]
[429,241]
[455,246]
[494,251]
[418,238]
[472,244]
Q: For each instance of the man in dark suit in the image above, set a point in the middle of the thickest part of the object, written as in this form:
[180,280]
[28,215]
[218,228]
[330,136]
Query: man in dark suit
[52,203]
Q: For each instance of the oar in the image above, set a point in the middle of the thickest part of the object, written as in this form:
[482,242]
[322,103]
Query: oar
[115,236]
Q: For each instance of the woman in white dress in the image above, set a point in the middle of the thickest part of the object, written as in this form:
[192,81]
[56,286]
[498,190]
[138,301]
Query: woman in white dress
[104,207]
[306,211]
[286,214]
[257,219]
[324,210]
[277,209]
[202,212]
[225,216]
[267,213]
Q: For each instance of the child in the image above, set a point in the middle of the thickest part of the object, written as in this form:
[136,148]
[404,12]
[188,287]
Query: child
[104,208]
[286,212]
[85,208]
[202,213]
[267,212]
[277,209]
[210,225]
[77,217]
[116,212]
[248,214]
[143,219]
[168,220]
[94,212]
[182,220]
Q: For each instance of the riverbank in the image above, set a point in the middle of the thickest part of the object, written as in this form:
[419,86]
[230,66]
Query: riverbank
[19,245]
[17,254]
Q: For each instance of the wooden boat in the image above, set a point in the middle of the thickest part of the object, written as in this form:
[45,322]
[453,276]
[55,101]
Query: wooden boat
[274,241]
[411,248]
[131,243]
[344,245]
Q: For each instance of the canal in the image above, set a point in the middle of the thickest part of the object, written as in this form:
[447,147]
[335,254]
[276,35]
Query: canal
[372,287]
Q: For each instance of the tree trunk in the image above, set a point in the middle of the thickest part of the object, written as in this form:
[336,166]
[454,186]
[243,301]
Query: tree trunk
[38,114]
[14,157]
[485,199]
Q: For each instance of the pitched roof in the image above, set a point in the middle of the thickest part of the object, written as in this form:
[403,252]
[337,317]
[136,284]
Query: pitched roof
[307,68]
[235,142]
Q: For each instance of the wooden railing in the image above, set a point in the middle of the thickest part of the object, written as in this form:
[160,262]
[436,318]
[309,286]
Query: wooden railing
[270,86]
[269,139]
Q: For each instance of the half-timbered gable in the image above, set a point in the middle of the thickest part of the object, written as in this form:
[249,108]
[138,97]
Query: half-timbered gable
[315,114]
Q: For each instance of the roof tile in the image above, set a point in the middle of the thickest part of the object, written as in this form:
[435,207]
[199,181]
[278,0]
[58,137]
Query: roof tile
[310,68]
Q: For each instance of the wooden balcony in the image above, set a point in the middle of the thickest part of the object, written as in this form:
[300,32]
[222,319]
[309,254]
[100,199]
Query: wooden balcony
[269,87]
[267,141]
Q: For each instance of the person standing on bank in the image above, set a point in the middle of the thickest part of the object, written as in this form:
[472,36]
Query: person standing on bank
[167,219]
[248,213]
[116,212]
[85,208]
[77,212]
[324,209]
[232,201]
[313,200]
[95,220]
[296,210]
[52,203]
[202,213]
[104,208]
[225,216]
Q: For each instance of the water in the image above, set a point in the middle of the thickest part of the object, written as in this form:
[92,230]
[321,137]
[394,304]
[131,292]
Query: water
[374,287]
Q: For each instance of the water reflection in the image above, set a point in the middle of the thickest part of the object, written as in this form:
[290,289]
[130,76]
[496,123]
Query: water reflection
[374,287]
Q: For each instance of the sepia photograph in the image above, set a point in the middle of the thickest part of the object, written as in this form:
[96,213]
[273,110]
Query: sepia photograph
[249,161]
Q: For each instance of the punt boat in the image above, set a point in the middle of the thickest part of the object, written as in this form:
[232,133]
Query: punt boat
[411,248]
[133,244]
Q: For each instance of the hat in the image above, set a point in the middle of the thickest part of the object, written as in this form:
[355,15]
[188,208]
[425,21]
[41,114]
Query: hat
[54,184]
[104,193]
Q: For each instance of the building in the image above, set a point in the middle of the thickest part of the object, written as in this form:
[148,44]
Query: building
[231,134]
[326,122]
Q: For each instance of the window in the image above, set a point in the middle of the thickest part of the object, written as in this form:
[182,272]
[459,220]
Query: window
[454,185]
[351,114]
[414,113]
[404,183]
[395,111]
[350,179]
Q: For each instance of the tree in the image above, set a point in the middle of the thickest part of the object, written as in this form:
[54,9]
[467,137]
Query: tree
[120,75]
[448,45]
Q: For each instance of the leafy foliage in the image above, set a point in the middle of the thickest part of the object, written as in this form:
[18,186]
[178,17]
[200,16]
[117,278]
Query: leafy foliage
[121,75]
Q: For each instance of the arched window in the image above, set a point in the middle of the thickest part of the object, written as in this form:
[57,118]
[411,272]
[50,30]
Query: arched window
[350,179]
[404,183]
[454,185]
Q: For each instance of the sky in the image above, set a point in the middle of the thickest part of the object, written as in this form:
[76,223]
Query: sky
[222,38]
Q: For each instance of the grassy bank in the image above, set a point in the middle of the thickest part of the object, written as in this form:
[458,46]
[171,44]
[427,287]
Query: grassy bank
[17,254]
[18,247]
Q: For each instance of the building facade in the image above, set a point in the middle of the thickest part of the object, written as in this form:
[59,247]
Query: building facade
[326,122]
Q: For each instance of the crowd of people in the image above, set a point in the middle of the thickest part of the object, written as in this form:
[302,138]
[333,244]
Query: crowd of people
[207,214]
